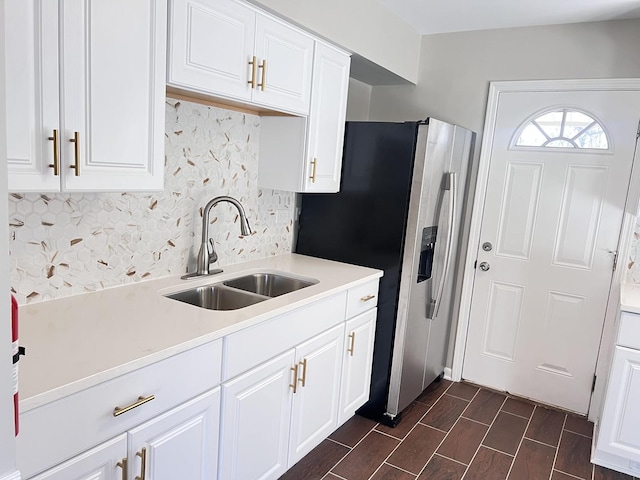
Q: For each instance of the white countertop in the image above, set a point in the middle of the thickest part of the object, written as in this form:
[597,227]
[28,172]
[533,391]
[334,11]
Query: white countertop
[630,298]
[76,342]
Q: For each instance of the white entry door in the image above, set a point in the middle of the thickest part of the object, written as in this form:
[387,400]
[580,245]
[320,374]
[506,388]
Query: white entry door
[560,163]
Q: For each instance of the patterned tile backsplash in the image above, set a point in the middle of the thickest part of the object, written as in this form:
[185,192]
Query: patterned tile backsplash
[67,244]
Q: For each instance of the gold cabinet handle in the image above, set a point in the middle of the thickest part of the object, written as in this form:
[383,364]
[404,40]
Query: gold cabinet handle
[141,401]
[143,464]
[367,298]
[253,63]
[263,66]
[123,465]
[314,164]
[76,148]
[303,380]
[352,336]
[56,156]
[294,385]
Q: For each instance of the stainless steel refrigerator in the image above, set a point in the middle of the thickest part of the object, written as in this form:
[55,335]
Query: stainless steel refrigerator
[399,209]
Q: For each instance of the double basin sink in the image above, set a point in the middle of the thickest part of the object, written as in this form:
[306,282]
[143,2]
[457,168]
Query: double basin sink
[242,291]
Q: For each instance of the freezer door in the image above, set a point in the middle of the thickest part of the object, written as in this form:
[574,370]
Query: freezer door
[424,307]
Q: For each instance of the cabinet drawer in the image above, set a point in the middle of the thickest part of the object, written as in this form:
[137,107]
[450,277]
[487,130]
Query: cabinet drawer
[362,298]
[56,431]
[629,331]
[255,345]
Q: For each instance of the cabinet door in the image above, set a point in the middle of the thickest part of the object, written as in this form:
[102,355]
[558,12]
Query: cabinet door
[284,82]
[181,443]
[327,119]
[315,403]
[256,413]
[210,46]
[113,93]
[99,463]
[31,55]
[619,432]
[356,370]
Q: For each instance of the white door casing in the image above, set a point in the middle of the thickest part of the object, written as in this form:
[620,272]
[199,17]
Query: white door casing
[553,217]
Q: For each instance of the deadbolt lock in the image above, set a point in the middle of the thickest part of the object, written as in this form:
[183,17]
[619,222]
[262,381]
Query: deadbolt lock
[487,247]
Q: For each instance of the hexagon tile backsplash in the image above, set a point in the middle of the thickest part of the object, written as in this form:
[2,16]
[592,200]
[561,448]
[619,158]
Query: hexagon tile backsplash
[66,244]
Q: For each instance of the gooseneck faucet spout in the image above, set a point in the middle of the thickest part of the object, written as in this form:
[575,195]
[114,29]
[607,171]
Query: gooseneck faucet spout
[207,254]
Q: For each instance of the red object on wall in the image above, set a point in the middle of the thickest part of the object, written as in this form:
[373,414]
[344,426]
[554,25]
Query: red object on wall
[16,357]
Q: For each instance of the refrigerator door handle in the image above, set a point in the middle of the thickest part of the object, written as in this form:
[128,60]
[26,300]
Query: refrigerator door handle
[452,187]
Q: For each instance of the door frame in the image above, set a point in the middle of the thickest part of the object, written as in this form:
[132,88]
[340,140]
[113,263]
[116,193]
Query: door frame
[624,244]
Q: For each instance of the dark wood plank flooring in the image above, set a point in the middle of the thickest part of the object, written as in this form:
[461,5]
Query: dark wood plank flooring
[456,431]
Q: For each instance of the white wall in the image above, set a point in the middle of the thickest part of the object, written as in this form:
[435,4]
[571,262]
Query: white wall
[456,68]
[358,101]
[365,27]
[7,442]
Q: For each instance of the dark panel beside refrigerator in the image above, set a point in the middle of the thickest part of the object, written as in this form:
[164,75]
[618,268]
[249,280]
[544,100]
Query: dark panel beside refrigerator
[365,223]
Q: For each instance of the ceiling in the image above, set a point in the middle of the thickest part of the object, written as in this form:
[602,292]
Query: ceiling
[442,16]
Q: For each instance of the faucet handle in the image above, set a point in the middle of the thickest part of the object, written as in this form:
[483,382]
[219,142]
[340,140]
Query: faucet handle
[213,256]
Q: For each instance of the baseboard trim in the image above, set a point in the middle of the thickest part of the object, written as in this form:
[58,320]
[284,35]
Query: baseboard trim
[447,373]
[11,476]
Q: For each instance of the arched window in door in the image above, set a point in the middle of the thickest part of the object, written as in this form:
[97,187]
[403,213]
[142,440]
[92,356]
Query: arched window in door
[562,128]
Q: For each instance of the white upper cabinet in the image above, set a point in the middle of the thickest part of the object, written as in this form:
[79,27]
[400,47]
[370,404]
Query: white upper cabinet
[210,44]
[301,154]
[92,79]
[284,62]
[327,119]
[228,49]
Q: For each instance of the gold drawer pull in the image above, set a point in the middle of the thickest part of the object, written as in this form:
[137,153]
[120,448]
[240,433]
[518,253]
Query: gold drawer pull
[304,372]
[264,74]
[56,159]
[314,164]
[143,464]
[123,465]
[352,336]
[253,62]
[367,298]
[76,149]
[294,385]
[141,401]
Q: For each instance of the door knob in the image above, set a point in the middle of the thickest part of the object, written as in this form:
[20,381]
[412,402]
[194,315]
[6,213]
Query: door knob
[484,266]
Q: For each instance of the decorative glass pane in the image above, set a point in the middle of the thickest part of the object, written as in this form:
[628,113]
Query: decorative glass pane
[593,138]
[563,129]
[551,123]
[531,135]
[575,122]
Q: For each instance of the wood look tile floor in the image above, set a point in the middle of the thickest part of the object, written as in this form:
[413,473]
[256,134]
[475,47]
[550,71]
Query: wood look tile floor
[456,431]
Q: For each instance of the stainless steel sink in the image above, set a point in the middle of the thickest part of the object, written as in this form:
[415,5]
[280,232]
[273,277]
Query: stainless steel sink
[217,297]
[269,284]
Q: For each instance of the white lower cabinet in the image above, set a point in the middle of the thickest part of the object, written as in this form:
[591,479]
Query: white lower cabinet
[358,355]
[103,462]
[617,436]
[256,415]
[276,413]
[181,443]
[315,403]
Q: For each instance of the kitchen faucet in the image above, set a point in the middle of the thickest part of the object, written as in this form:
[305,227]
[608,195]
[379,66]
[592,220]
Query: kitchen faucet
[207,254]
